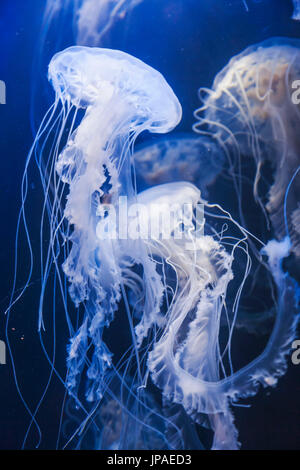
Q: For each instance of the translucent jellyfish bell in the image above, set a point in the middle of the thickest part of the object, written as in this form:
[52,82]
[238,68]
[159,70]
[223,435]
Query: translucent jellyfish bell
[92,76]
[122,97]
[80,22]
[251,112]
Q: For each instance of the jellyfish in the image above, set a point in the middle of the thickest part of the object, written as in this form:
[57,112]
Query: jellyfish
[104,99]
[92,18]
[186,360]
[122,421]
[65,22]
[251,111]
[150,282]
[296,12]
[97,166]
[179,158]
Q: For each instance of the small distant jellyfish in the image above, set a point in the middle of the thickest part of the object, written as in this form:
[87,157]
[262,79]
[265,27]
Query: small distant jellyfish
[296,12]
[251,112]
[179,158]
[92,18]
[133,426]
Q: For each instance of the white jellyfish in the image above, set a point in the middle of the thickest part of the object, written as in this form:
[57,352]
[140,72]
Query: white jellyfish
[176,270]
[197,268]
[103,100]
[251,111]
[186,360]
[122,97]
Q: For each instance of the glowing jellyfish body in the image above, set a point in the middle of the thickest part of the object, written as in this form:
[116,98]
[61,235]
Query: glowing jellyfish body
[251,112]
[179,158]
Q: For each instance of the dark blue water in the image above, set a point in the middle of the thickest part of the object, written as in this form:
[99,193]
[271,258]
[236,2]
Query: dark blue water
[188,41]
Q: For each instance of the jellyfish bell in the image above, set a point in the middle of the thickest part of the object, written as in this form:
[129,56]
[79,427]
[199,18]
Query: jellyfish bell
[88,76]
[174,192]
[164,204]
[251,111]
[80,22]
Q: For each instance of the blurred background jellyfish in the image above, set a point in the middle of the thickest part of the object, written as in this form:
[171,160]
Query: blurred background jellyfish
[178,158]
[251,112]
[92,19]
[95,18]
[296,12]
[123,421]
